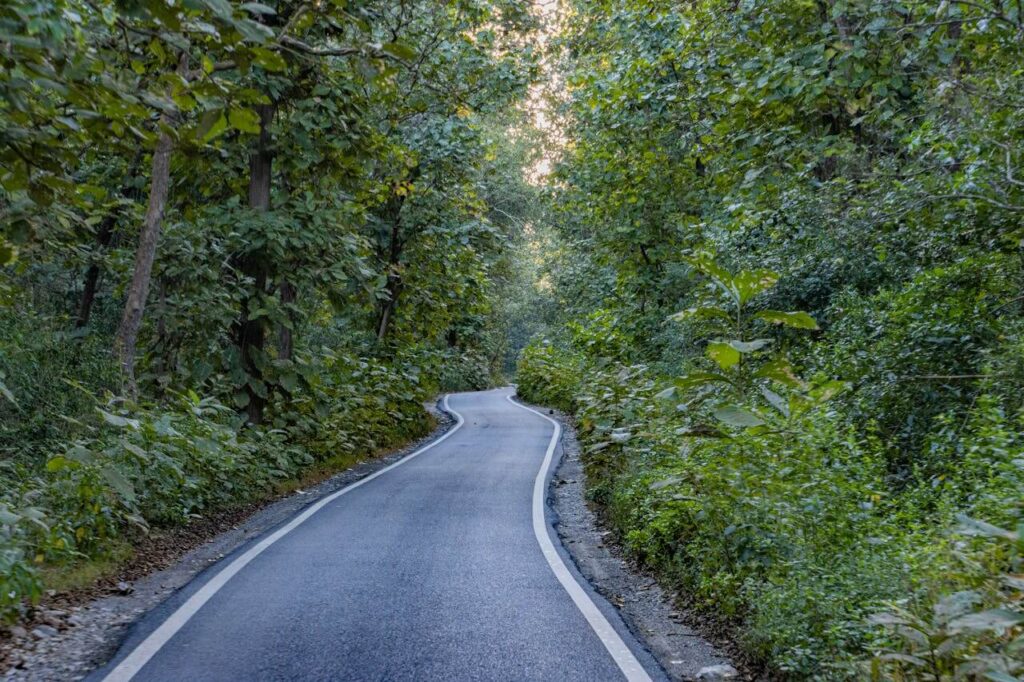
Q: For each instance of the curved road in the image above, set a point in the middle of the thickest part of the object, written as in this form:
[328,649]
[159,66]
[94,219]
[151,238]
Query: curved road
[442,566]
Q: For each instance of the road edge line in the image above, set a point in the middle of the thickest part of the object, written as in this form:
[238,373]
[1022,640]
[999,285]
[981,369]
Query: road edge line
[620,652]
[131,664]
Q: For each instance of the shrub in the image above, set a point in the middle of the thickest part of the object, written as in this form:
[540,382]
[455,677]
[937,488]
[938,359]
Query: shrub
[547,375]
[161,465]
[798,532]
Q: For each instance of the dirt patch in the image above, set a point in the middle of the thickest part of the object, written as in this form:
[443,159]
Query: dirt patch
[70,634]
[684,642]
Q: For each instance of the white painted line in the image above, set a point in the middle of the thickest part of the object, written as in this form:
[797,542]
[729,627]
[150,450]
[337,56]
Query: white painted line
[624,658]
[133,662]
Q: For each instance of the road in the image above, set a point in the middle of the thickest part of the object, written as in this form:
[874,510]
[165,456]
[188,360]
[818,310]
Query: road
[443,566]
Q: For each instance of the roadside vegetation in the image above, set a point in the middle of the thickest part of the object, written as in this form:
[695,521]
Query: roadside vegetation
[240,242]
[785,306]
[776,270]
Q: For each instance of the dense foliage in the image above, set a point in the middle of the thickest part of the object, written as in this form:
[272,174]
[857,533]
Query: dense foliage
[790,274]
[239,240]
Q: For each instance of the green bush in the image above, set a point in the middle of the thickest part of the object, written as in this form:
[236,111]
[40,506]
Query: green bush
[548,376]
[797,533]
[162,465]
[465,371]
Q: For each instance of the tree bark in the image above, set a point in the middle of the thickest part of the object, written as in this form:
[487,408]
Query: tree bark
[394,283]
[92,275]
[251,334]
[393,214]
[145,254]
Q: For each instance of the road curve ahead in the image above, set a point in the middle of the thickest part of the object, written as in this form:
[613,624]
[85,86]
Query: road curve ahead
[442,566]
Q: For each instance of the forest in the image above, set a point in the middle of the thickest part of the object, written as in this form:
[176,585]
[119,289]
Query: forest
[768,254]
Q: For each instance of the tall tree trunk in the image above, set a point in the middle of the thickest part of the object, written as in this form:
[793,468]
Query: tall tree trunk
[394,282]
[92,275]
[145,254]
[251,334]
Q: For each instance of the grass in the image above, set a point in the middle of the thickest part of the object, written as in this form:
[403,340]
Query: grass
[70,578]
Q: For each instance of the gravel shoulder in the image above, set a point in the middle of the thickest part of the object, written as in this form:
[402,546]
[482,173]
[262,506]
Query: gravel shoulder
[72,635]
[671,633]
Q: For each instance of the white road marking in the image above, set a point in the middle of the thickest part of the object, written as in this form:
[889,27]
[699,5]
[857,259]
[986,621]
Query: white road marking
[140,655]
[623,656]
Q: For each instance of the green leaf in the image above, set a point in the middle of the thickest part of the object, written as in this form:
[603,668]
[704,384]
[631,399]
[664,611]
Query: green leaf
[8,252]
[994,620]
[723,353]
[750,283]
[694,379]
[217,125]
[667,394]
[781,370]
[797,319]
[245,120]
[828,390]
[733,415]
[977,527]
[700,313]
[749,346]
[7,517]
[240,398]
[7,394]
[80,454]
[115,420]
[121,485]
[399,51]
[257,8]
[706,264]
[998,676]
[776,400]
[57,463]
[269,59]
[288,381]
[221,8]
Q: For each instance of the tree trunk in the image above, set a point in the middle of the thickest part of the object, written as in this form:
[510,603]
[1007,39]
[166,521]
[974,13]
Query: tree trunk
[145,254]
[92,275]
[394,259]
[251,334]
[394,283]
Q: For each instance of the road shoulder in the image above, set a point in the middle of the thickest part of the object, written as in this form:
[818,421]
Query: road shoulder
[647,609]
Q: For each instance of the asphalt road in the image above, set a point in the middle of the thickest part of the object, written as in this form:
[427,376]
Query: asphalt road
[441,567]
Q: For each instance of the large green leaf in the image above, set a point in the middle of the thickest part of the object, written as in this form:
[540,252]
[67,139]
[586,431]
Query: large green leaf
[116,420]
[781,370]
[797,319]
[723,353]
[993,620]
[776,401]
[6,393]
[702,312]
[399,50]
[245,120]
[694,379]
[734,415]
[749,346]
[750,283]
